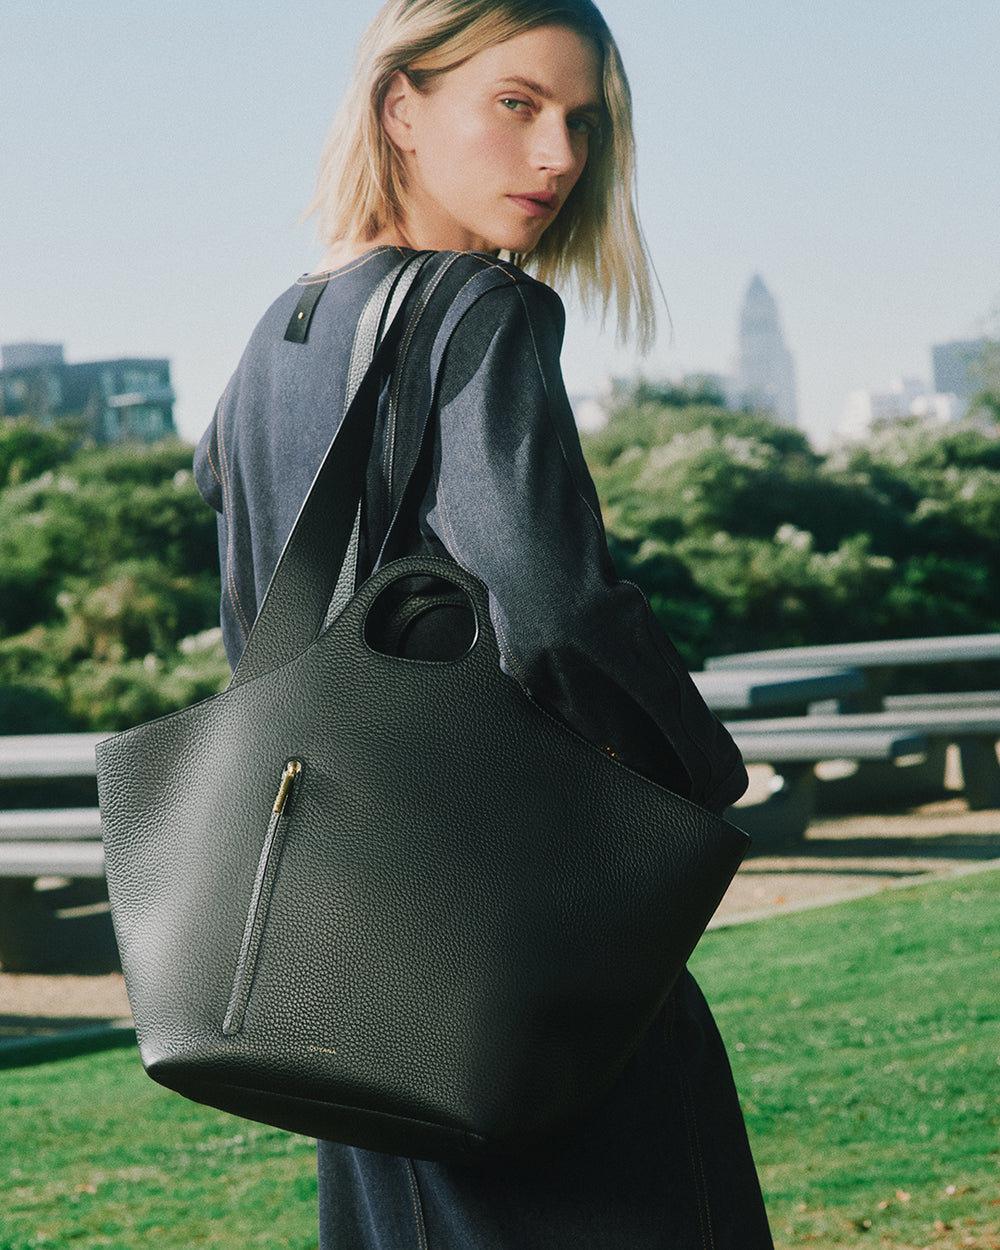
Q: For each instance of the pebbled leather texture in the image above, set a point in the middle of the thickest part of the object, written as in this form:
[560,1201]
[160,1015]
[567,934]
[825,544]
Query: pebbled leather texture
[474,917]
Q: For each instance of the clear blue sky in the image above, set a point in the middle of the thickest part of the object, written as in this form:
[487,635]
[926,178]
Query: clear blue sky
[155,159]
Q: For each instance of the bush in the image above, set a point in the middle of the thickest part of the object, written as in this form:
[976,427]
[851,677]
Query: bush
[108,564]
[744,538]
[740,534]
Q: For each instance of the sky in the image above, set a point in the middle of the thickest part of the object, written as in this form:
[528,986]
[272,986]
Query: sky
[156,158]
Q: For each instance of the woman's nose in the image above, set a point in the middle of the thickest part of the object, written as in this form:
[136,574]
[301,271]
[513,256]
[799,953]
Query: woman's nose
[555,148]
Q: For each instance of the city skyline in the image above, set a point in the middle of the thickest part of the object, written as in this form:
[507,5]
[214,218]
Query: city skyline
[764,376]
[157,160]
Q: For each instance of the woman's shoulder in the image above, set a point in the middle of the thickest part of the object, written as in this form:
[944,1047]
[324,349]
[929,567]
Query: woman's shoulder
[492,272]
[484,290]
[497,326]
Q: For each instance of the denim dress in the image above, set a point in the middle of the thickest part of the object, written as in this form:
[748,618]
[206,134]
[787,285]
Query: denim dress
[664,1161]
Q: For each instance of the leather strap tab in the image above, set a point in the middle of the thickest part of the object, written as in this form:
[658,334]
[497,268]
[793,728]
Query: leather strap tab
[298,327]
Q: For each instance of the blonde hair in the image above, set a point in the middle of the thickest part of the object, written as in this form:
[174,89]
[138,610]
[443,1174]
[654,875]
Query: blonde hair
[595,240]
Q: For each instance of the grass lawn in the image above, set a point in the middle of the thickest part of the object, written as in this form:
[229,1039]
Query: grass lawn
[94,1153]
[865,1039]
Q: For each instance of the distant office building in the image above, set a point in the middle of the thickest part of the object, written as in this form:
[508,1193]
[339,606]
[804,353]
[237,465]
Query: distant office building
[905,397]
[30,355]
[115,400]
[957,368]
[765,371]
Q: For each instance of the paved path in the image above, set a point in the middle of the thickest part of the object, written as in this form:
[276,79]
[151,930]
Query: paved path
[839,859]
[846,858]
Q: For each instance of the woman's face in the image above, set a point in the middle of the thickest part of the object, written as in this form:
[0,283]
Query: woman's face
[495,146]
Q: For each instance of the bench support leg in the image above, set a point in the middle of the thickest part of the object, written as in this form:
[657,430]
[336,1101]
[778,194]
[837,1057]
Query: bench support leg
[785,816]
[878,785]
[980,773]
[36,934]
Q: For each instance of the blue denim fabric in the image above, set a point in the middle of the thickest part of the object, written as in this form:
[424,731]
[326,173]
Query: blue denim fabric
[513,500]
[663,1165]
[665,1161]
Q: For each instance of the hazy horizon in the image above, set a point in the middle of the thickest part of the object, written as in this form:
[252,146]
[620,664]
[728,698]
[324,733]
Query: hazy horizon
[157,161]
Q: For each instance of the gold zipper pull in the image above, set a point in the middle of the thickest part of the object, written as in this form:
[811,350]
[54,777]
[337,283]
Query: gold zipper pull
[292,770]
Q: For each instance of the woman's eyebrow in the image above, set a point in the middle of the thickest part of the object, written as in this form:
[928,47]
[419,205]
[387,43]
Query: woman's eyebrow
[536,88]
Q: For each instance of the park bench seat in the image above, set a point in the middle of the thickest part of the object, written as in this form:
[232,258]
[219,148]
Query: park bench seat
[793,746]
[51,859]
[775,690]
[66,920]
[973,728]
[959,699]
[53,824]
[62,842]
[879,653]
[950,721]
[775,742]
[29,757]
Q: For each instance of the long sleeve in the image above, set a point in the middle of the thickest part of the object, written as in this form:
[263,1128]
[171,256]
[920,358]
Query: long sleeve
[515,504]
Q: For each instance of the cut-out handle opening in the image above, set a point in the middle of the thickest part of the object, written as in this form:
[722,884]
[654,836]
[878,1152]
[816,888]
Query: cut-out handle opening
[422,617]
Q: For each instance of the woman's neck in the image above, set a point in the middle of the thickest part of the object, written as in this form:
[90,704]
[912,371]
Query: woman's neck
[345,250]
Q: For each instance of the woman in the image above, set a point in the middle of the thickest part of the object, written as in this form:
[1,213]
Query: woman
[501,129]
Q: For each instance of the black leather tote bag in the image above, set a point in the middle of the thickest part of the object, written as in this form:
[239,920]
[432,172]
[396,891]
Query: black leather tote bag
[389,901]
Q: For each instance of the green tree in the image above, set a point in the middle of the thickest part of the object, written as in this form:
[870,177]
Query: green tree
[108,567]
[743,537]
[26,450]
[987,400]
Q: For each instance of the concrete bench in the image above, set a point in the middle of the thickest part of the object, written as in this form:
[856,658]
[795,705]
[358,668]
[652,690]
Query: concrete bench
[791,739]
[955,701]
[28,757]
[53,897]
[793,746]
[970,726]
[880,653]
[61,842]
[772,691]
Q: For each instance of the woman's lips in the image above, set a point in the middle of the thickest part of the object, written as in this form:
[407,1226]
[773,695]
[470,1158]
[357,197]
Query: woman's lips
[542,204]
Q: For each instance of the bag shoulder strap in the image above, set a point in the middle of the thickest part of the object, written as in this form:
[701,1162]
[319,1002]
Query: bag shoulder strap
[301,587]
[459,281]
[314,551]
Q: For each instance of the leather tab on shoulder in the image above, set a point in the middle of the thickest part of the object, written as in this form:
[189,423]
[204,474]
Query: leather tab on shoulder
[298,326]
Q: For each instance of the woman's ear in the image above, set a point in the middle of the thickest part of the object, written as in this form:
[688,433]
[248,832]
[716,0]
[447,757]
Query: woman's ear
[398,111]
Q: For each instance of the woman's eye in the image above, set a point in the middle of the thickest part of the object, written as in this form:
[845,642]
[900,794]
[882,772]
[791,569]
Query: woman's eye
[582,125]
[513,105]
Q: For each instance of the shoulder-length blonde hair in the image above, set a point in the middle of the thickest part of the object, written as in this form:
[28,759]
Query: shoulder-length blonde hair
[595,240]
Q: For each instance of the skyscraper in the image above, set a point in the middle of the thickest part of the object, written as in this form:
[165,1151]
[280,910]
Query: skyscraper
[765,371]
[958,368]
